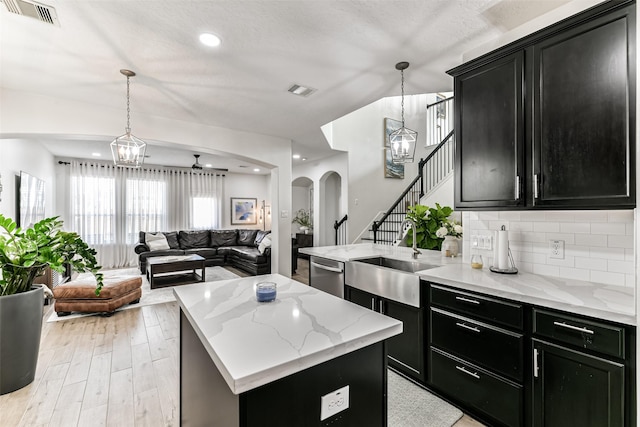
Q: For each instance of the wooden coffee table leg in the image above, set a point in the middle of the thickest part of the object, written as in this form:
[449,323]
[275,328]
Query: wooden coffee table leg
[203,271]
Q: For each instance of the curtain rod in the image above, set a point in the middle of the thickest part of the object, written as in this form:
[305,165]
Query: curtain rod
[61,162]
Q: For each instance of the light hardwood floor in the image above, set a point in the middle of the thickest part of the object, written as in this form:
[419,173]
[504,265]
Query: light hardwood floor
[109,371]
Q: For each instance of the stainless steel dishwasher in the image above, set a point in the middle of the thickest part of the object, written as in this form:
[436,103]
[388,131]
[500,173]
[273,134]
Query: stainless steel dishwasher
[327,275]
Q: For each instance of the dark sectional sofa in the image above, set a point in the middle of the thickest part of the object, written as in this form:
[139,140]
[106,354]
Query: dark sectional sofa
[237,248]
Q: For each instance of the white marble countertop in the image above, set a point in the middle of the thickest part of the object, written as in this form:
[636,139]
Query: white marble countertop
[614,303]
[253,343]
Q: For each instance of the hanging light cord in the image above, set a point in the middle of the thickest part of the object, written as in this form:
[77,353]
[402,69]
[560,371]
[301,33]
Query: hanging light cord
[128,128]
[402,89]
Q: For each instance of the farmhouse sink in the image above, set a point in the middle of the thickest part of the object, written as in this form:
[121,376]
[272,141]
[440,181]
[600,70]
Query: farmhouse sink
[390,278]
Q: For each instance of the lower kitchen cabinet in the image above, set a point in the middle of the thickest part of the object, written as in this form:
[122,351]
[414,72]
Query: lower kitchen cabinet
[405,351]
[572,388]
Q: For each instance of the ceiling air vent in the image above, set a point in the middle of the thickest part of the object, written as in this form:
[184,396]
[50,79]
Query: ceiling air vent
[301,90]
[39,11]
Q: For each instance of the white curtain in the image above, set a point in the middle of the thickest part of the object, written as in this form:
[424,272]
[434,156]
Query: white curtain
[110,205]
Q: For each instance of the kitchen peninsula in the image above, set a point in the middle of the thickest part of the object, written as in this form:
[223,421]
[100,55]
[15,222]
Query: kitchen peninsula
[244,363]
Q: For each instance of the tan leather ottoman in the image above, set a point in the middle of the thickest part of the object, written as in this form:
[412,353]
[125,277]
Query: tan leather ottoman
[79,294]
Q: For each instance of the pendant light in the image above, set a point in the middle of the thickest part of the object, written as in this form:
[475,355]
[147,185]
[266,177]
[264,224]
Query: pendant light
[402,142]
[128,150]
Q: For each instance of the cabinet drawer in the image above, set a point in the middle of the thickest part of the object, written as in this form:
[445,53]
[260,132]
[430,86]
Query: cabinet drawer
[492,348]
[474,387]
[483,308]
[597,336]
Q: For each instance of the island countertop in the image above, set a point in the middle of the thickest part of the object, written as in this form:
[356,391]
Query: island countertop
[253,343]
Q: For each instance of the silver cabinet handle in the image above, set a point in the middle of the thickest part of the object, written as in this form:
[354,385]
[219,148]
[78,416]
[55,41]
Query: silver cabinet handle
[517,187]
[470,301]
[373,304]
[326,267]
[574,328]
[535,186]
[470,328]
[536,368]
[463,369]
[380,306]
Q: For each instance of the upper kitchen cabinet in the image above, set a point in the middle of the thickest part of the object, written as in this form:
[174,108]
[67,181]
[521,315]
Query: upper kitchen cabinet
[549,121]
[490,138]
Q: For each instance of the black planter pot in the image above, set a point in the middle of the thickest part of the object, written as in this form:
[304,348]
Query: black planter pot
[20,330]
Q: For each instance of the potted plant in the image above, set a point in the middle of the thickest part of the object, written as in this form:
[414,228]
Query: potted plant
[25,254]
[303,219]
[432,225]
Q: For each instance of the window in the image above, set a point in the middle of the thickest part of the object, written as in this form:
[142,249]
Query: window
[146,207]
[204,213]
[93,209]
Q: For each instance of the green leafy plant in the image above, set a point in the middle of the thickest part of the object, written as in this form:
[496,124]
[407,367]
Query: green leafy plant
[26,253]
[302,218]
[429,226]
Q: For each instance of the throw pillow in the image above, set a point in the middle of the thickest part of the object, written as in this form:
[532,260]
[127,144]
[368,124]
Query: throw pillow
[265,243]
[156,241]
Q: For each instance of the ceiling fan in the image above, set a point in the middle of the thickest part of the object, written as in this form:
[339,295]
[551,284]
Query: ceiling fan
[198,166]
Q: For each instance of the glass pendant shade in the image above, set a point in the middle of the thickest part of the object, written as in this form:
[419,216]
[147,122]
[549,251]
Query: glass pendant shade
[403,145]
[128,150]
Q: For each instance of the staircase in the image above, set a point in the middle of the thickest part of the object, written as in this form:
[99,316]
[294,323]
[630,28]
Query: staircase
[431,172]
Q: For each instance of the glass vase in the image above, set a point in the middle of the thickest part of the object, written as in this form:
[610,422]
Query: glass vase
[450,247]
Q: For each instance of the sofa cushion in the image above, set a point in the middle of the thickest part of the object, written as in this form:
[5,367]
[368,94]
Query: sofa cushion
[156,241]
[247,237]
[223,238]
[224,250]
[264,244]
[172,239]
[205,253]
[259,236]
[248,253]
[193,239]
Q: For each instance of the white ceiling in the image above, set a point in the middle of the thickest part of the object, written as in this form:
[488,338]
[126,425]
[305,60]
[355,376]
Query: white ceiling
[345,49]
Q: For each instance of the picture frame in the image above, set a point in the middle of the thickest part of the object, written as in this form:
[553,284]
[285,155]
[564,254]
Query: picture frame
[391,170]
[244,211]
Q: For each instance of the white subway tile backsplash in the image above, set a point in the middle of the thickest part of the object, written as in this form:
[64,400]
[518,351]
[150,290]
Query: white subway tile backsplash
[609,228]
[599,244]
[575,227]
[591,240]
[546,227]
[626,267]
[620,241]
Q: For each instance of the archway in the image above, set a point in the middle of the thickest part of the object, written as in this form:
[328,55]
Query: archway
[330,207]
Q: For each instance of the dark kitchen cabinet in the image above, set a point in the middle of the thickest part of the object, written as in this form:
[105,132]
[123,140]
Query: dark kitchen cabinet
[549,120]
[405,351]
[583,114]
[572,388]
[490,134]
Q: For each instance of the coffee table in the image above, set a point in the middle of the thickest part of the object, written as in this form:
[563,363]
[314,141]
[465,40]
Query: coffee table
[158,267]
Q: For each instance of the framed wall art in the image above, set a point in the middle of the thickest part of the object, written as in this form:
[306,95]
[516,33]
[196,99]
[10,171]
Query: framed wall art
[244,211]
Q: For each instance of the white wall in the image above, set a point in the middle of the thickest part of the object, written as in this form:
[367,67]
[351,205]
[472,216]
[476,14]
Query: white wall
[32,115]
[31,157]
[245,186]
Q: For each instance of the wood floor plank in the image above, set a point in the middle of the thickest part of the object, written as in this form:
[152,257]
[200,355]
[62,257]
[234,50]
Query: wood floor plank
[147,409]
[97,390]
[157,343]
[93,417]
[167,379]
[149,315]
[67,410]
[43,402]
[120,412]
[143,375]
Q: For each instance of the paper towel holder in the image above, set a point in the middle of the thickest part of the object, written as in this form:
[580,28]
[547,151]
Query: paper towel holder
[510,270]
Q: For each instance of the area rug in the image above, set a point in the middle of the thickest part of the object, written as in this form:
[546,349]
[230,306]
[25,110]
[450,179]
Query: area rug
[149,296]
[411,406]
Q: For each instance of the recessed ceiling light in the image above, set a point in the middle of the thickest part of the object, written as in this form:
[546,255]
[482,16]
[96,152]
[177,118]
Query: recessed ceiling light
[256,170]
[304,159]
[209,39]
[301,90]
[96,154]
[208,165]
[296,156]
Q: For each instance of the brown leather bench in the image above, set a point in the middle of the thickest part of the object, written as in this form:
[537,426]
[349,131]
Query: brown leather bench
[79,295]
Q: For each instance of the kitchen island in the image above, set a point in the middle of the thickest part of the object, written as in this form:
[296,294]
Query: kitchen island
[244,363]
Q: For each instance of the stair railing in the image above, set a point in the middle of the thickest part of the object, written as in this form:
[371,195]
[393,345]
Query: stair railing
[431,170]
[340,228]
